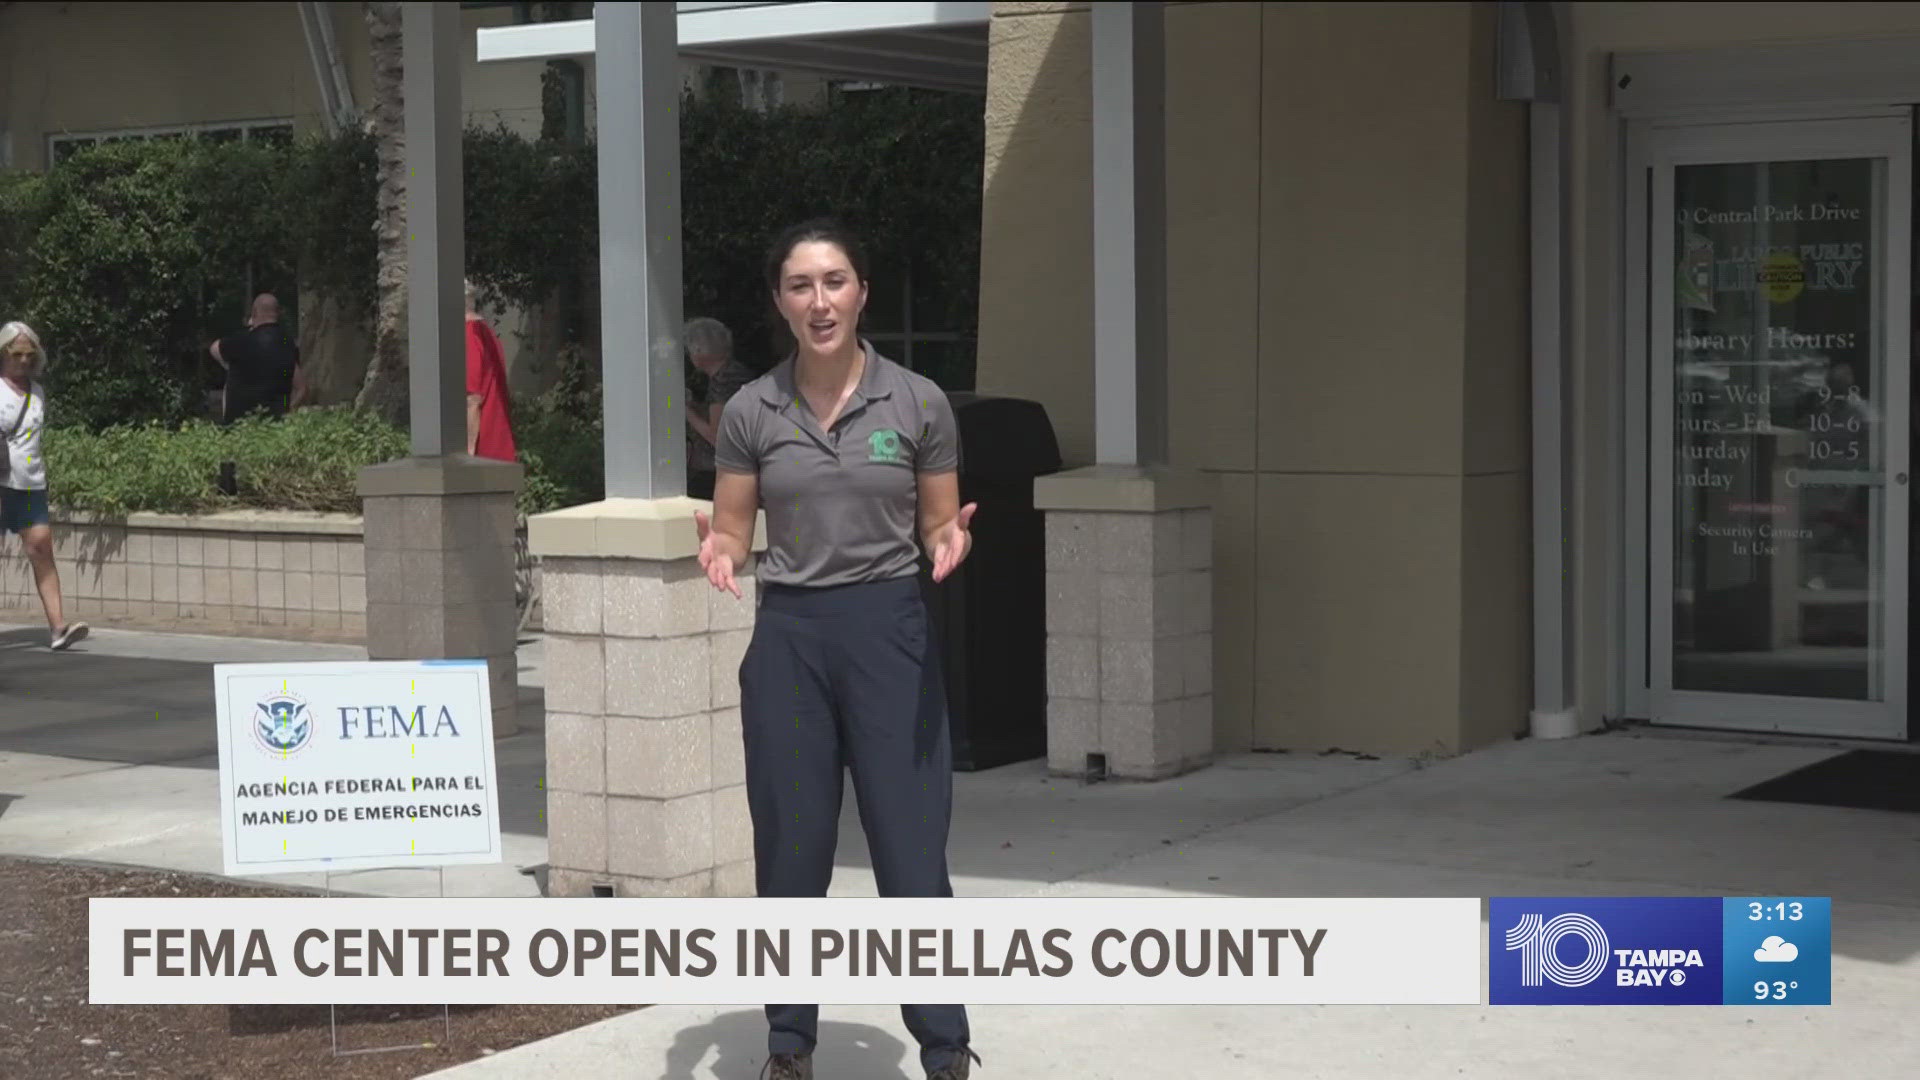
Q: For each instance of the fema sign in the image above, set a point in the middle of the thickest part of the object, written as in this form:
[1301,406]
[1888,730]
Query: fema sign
[339,766]
[1605,951]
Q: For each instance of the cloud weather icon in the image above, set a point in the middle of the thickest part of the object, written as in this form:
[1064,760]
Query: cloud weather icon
[1777,950]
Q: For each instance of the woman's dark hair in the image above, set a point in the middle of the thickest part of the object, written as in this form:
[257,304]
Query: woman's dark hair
[823,230]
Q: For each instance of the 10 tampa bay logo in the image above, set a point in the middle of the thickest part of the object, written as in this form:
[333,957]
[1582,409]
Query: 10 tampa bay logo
[1595,951]
[1538,943]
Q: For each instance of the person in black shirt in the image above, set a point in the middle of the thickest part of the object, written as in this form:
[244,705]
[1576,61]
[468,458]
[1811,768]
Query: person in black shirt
[263,365]
[263,372]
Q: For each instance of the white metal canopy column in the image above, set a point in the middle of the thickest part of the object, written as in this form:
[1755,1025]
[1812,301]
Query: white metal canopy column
[1533,65]
[439,534]
[640,285]
[436,252]
[1129,234]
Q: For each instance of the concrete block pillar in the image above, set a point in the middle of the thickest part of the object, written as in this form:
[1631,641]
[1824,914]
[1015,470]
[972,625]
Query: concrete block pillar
[1129,621]
[439,562]
[646,772]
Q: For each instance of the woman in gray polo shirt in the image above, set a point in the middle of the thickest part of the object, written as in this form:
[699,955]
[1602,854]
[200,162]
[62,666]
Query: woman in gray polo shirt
[855,460]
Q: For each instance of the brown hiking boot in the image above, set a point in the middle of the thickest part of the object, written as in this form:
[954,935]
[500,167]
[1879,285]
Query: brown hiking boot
[788,1067]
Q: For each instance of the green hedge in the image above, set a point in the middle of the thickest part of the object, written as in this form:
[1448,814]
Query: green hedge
[130,257]
[903,168]
[309,460]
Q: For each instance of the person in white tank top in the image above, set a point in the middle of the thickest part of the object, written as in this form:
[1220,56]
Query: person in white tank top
[23,484]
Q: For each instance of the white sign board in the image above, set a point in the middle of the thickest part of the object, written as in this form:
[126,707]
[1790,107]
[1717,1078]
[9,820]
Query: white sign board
[343,766]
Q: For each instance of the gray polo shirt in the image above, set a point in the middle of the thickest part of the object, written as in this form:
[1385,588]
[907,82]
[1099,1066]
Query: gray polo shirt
[842,505]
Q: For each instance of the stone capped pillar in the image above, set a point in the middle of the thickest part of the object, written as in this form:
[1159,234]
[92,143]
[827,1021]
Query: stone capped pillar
[439,563]
[646,773]
[1129,621]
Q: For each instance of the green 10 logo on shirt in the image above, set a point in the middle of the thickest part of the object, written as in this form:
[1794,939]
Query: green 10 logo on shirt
[884,445]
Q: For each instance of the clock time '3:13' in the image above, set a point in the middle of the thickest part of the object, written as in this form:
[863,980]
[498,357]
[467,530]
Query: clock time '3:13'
[1784,911]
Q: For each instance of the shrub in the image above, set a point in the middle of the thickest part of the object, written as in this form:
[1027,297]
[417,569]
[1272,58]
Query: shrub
[560,438]
[147,467]
[308,461]
[108,279]
[130,257]
[901,167]
[330,210]
[532,214]
[311,460]
[23,199]
[563,457]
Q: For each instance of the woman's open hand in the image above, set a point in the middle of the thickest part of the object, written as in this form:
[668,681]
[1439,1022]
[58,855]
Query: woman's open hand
[718,565]
[954,544]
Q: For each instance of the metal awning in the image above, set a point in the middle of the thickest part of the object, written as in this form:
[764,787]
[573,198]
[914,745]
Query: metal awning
[939,44]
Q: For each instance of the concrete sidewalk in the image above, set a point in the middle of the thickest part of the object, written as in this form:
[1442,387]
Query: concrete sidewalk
[1610,815]
[106,754]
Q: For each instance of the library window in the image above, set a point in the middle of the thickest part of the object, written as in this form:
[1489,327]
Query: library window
[271,132]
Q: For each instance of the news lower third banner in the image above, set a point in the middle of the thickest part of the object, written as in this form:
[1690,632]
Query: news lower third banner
[841,951]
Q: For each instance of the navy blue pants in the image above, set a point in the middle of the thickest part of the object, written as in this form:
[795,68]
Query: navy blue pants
[848,679]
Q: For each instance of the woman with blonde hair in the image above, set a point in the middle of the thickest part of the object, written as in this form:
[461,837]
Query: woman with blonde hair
[23,470]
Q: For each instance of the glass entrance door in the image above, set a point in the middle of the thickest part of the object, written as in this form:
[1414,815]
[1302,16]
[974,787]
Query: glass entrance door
[1778,325]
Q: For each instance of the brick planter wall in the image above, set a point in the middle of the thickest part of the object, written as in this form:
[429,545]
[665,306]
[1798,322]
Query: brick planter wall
[258,570]
[270,570]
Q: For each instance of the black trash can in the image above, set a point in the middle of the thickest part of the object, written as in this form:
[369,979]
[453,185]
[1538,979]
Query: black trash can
[991,615]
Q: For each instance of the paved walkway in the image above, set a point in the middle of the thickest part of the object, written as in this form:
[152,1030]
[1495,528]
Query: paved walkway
[87,769]
[108,752]
[1611,815]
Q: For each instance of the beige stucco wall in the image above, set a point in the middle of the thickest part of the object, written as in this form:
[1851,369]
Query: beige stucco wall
[93,67]
[108,66]
[1598,31]
[1036,240]
[1347,302]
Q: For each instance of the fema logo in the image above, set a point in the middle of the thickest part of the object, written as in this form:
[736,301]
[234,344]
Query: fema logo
[282,726]
[1605,951]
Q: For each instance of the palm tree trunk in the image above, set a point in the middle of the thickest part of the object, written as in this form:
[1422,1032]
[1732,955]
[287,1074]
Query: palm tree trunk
[384,390]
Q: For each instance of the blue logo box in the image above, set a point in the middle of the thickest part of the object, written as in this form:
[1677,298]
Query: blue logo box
[1667,950]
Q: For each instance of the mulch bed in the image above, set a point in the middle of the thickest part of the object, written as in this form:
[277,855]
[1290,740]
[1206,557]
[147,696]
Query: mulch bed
[49,1032]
